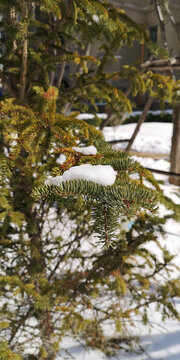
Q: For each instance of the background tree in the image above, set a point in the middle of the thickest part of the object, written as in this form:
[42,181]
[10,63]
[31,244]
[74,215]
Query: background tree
[53,270]
[168,23]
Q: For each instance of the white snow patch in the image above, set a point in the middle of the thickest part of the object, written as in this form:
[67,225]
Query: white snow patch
[61,159]
[101,174]
[151,137]
[85,116]
[88,150]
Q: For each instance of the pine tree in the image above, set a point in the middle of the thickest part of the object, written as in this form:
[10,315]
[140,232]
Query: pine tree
[54,269]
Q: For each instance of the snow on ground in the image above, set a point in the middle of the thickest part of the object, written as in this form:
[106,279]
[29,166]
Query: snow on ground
[150,138]
[163,342]
[87,116]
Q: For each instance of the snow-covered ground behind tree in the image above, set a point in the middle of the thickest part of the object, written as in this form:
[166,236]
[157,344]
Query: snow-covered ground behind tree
[162,342]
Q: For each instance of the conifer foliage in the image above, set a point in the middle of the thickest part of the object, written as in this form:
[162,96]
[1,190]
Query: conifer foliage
[62,248]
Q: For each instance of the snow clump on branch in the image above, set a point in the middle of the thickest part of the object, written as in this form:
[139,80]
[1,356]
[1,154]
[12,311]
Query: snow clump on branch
[88,150]
[103,175]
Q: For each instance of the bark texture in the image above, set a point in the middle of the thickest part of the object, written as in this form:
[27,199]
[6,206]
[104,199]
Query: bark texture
[175,147]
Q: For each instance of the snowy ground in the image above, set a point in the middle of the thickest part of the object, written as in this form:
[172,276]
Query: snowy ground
[163,342]
[153,137]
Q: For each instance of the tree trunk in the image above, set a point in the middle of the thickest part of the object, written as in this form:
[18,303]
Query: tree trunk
[46,331]
[161,23]
[106,121]
[140,122]
[111,116]
[175,147]
[166,18]
[24,53]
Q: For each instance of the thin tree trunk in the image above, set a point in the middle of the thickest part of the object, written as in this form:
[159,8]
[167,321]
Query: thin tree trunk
[67,109]
[166,18]
[68,106]
[161,23]
[105,122]
[52,76]
[59,81]
[161,19]
[140,122]
[171,18]
[46,331]
[111,116]
[175,147]
[24,53]
[13,16]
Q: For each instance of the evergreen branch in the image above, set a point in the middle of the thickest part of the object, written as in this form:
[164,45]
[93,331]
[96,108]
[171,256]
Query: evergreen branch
[108,202]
